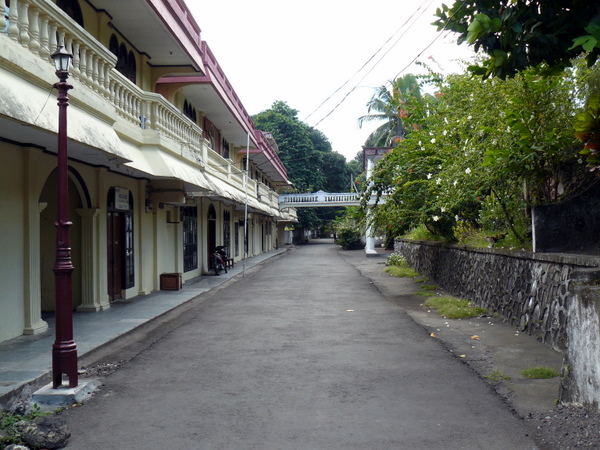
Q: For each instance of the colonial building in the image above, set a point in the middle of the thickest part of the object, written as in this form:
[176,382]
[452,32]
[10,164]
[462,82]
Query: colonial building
[157,142]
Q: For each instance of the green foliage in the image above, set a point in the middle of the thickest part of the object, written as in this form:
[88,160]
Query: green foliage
[349,238]
[393,107]
[401,272]
[9,420]
[396,260]
[311,163]
[539,373]
[516,35]
[454,308]
[481,153]
[496,375]
[421,233]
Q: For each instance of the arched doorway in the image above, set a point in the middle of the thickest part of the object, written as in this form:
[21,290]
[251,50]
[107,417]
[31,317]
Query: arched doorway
[119,241]
[48,241]
[211,232]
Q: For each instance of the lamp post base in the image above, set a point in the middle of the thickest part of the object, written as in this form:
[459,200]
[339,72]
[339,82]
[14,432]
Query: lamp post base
[64,362]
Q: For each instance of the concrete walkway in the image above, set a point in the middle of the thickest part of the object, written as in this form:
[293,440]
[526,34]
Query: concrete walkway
[26,361]
[304,353]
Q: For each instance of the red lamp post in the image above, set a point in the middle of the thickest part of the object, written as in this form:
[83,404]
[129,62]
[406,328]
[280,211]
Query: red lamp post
[64,349]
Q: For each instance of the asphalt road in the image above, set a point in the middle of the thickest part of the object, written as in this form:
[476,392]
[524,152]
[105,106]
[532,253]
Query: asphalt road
[304,353]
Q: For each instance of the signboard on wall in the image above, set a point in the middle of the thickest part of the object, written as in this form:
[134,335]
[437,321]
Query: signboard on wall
[121,199]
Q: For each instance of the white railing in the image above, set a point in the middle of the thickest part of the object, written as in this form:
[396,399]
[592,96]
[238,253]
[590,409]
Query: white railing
[320,199]
[39,26]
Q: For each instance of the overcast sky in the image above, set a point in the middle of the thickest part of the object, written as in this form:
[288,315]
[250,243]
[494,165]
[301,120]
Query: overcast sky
[303,52]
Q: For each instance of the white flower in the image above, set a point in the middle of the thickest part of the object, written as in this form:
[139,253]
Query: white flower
[580,161]
[455,183]
[468,170]
[438,181]
[456,217]
[429,175]
[436,218]
[443,209]
[469,118]
[432,141]
[445,132]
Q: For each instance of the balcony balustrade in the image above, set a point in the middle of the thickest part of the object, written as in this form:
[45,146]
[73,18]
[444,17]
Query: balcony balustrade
[40,26]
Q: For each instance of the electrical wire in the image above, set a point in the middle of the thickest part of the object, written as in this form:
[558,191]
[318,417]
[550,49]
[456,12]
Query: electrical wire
[408,65]
[367,62]
[414,20]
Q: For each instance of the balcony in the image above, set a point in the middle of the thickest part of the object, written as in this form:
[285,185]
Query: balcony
[133,131]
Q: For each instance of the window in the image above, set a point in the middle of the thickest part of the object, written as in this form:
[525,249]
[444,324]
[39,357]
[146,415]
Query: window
[189,111]
[126,63]
[72,9]
[225,149]
[189,216]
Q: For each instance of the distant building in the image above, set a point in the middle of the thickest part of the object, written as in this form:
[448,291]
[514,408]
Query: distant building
[157,146]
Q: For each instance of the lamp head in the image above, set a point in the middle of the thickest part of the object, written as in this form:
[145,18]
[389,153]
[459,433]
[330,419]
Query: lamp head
[62,62]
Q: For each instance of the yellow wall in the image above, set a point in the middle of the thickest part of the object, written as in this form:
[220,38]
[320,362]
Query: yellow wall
[11,242]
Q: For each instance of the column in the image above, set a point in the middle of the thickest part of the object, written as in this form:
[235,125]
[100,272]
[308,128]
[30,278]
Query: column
[33,294]
[90,302]
[369,238]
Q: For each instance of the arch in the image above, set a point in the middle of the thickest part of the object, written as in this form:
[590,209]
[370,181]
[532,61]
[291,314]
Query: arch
[113,45]
[72,9]
[131,67]
[122,59]
[48,238]
[82,188]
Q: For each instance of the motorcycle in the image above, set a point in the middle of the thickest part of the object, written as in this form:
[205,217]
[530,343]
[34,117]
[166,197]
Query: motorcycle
[219,259]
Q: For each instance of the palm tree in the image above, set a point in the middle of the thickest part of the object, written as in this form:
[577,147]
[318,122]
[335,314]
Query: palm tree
[390,107]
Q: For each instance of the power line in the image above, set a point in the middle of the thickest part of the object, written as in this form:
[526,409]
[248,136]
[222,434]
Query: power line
[411,17]
[432,42]
[366,63]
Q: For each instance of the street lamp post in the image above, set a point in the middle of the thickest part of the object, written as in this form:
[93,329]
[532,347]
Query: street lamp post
[64,349]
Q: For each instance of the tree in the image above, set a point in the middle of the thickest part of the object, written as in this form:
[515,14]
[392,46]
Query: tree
[391,108]
[482,153]
[517,34]
[296,145]
[308,156]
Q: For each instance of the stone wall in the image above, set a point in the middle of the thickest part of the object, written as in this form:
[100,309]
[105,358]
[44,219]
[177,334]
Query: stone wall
[580,382]
[531,291]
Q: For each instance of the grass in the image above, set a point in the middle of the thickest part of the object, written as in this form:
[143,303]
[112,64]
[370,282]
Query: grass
[539,373]
[425,294]
[429,287]
[401,272]
[421,233]
[8,421]
[454,308]
[496,375]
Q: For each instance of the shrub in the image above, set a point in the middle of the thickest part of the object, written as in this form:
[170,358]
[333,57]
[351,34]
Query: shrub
[396,260]
[349,238]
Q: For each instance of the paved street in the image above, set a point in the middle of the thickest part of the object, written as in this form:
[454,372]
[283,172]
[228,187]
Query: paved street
[302,353]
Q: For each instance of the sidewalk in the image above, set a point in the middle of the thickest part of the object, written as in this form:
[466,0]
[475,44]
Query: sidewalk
[26,361]
[486,344]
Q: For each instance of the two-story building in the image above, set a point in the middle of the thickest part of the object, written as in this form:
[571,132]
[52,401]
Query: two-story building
[157,142]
